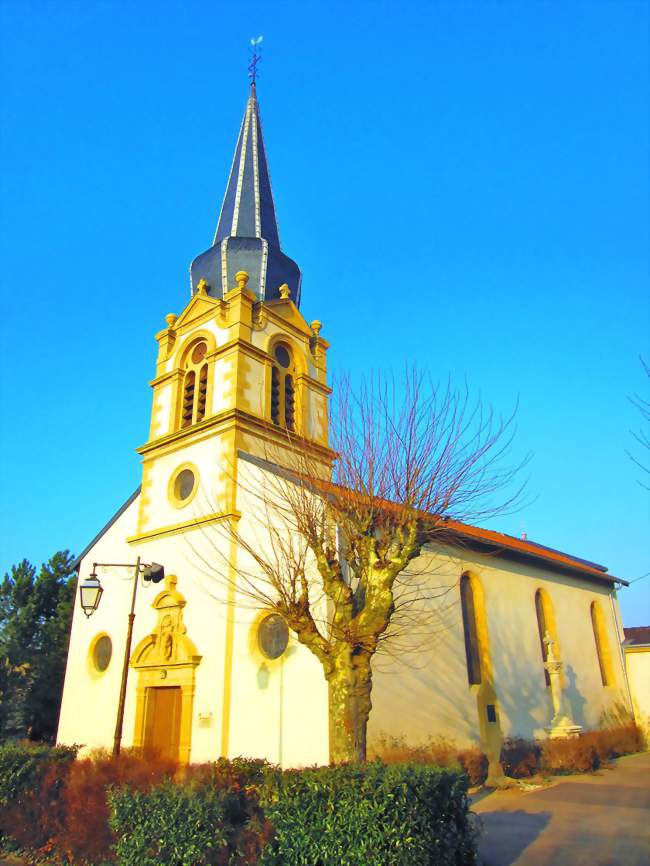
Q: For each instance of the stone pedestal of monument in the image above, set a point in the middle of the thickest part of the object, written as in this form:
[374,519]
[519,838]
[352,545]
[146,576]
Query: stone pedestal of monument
[562,725]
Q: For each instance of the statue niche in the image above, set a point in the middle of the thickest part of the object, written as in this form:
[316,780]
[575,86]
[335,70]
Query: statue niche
[168,644]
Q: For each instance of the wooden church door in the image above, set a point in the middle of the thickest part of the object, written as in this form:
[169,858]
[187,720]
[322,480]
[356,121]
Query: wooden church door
[163,722]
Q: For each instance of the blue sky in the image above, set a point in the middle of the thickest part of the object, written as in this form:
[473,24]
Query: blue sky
[464,185]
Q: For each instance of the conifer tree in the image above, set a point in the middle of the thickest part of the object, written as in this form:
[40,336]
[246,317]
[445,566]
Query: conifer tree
[35,613]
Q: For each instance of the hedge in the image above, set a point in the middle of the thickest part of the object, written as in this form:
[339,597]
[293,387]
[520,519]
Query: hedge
[23,766]
[411,815]
[211,817]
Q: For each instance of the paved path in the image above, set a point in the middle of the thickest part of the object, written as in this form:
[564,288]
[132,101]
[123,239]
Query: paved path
[600,819]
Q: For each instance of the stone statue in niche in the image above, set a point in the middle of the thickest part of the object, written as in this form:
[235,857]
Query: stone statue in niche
[168,644]
[167,637]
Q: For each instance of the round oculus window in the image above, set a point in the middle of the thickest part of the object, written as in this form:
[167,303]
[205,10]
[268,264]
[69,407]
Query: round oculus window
[184,484]
[282,356]
[273,636]
[102,652]
[198,353]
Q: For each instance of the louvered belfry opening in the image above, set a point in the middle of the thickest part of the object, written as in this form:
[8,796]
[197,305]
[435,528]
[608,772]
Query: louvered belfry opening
[289,403]
[194,399]
[275,395]
[283,395]
[188,399]
[203,393]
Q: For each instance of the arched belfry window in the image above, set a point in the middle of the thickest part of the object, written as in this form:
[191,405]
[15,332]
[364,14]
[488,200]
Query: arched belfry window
[194,385]
[283,388]
[602,644]
[472,649]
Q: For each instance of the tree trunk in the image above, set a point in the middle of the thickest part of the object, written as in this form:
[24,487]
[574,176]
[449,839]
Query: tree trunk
[350,685]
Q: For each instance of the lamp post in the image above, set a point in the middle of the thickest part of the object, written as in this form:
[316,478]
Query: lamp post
[90,594]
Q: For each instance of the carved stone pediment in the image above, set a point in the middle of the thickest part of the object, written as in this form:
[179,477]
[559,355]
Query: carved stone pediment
[168,645]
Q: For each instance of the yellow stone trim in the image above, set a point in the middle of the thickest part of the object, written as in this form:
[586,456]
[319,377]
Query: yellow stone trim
[253,641]
[636,649]
[200,309]
[551,625]
[195,523]
[145,495]
[285,314]
[602,643]
[184,349]
[230,418]
[229,648]
[166,658]
[166,377]
[175,500]
[491,734]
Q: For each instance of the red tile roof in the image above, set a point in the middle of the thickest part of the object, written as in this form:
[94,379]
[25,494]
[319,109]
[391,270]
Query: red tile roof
[637,635]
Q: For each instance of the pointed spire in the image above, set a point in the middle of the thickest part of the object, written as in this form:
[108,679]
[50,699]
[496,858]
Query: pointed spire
[247,237]
[248,209]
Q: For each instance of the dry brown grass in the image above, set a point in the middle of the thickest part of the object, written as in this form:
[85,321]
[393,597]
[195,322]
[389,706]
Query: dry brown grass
[438,751]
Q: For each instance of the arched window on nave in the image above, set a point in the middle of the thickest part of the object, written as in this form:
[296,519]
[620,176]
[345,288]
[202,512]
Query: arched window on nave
[603,652]
[472,649]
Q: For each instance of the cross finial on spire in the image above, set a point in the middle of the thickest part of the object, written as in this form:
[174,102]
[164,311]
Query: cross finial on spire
[256,56]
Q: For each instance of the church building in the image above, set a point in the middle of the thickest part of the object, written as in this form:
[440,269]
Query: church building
[532,638]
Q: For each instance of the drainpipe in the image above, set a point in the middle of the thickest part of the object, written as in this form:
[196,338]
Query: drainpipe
[619,631]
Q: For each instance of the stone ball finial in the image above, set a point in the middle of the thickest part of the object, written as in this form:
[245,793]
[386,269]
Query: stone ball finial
[242,278]
[285,291]
[316,326]
[170,318]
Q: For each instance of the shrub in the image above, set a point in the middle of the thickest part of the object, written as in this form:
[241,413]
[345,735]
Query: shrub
[83,832]
[24,764]
[616,741]
[212,817]
[520,758]
[32,778]
[437,751]
[571,755]
[169,824]
[371,814]
[475,764]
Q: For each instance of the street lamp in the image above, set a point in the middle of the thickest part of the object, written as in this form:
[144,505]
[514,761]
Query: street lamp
[90,594]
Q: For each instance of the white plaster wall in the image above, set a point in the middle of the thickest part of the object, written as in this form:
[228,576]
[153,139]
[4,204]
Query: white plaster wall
[638,672]
[207,457]
[90,700]
[278,711]
[424,691]
[280,707]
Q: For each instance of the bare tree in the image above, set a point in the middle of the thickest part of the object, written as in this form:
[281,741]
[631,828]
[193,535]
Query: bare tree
[642,436]
[335,557]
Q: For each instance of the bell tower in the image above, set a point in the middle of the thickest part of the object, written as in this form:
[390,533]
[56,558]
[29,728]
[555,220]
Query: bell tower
[239,370]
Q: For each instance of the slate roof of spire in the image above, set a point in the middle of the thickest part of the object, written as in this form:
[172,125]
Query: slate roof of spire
[247,237]
[248,209]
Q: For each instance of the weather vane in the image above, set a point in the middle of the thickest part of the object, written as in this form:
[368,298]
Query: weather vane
[256,56]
